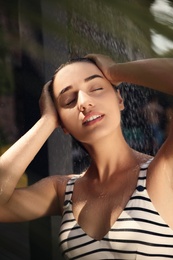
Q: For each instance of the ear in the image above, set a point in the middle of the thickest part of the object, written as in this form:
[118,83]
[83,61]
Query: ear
[120,101]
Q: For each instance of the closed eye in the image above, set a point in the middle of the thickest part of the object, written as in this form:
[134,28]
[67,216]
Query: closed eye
[70,102]
[97,89]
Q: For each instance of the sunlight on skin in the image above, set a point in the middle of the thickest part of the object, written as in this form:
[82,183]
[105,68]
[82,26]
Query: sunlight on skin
[23,182]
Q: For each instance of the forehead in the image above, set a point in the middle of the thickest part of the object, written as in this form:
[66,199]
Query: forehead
[75,73]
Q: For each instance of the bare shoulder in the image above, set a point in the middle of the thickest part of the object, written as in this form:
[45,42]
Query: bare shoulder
[142,158]
[60,183]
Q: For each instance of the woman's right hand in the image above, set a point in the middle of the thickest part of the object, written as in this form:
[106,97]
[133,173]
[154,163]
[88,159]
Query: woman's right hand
[47,107]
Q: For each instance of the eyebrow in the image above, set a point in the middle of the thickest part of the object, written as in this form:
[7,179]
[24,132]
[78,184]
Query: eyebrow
[85,80]
[92,77]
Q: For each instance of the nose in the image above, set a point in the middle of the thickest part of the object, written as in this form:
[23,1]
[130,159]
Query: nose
[85,102]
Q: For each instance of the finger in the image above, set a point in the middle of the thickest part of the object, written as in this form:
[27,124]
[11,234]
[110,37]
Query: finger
[96,56]
[47,85]
[48,88]
[95,59]
[92,56]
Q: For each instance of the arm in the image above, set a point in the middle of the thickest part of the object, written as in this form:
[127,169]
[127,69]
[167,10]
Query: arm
[43,198]
[156,73]
[15,160]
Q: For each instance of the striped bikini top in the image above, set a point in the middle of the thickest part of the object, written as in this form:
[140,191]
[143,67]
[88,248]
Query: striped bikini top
[139,232]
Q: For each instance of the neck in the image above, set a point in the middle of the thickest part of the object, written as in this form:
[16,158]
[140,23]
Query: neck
[110,156]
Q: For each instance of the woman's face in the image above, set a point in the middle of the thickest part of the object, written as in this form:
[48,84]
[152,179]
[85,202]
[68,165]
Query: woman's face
[87,104]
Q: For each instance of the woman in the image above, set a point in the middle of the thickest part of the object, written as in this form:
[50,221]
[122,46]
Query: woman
[121,207]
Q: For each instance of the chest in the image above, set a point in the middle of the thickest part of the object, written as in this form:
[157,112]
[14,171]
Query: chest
[97,213]
[138,231]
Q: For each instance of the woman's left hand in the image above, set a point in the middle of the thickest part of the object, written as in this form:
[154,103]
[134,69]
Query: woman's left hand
[105,64]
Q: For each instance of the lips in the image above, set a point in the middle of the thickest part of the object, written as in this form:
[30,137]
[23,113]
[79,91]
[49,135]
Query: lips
[91,119]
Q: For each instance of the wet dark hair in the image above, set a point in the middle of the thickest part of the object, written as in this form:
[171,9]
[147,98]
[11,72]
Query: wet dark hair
[74,60]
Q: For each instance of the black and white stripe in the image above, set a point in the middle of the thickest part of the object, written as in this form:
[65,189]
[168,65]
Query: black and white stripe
[139,233]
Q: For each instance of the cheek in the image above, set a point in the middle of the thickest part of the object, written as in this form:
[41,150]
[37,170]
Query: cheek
[60,115]
[67,120]
[112,101]
[114,111]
